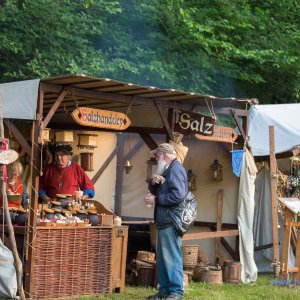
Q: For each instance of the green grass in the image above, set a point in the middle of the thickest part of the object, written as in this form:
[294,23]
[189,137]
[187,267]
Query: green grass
[262,289]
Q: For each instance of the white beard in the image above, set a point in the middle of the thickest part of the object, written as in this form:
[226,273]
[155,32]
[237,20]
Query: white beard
[161,166]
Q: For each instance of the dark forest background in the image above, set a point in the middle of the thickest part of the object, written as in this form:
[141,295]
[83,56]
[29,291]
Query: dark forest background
[235,48]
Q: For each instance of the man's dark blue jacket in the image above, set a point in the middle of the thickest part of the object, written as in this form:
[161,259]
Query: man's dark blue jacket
[171,192]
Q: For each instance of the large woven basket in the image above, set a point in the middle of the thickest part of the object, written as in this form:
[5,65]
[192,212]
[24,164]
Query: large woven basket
[71,262]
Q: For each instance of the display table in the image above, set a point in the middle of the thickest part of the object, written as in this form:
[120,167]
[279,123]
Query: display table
[76,261]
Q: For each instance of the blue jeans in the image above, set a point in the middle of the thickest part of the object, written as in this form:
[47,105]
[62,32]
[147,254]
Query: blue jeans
[169,262]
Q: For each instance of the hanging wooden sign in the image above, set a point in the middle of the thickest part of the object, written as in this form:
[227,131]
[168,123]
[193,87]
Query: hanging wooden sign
[221,134]
[87,116]
[194,123]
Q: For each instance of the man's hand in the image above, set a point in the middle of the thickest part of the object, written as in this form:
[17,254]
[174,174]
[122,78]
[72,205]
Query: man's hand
[157,179]
[149,199]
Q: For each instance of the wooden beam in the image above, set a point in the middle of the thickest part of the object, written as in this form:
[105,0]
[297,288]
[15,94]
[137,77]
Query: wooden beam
[35,169]
[104,166]
[238,123]
[53,109]
[273,186]
[219,222]
[73,126]
[148,141]
[119,174]
[134,150]
[228,247]
[18,135]
[214,224]
[208,235]
[165,120]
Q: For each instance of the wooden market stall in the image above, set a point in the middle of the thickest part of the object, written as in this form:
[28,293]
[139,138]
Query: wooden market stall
[151,111]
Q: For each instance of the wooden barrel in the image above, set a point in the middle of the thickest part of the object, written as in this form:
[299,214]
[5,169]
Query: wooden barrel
[189,257]
[146,276]
[211,275]
[231,271]
[145,255]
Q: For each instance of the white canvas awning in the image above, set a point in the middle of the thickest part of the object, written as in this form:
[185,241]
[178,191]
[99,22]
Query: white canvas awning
[20,99]
[286,121]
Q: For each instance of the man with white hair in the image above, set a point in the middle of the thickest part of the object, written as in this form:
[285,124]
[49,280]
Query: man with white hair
[168,188]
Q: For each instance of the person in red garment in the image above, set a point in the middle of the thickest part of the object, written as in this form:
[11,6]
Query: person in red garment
[64,176]
[14,185]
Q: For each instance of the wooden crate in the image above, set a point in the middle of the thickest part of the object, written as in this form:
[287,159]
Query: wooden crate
[70,262]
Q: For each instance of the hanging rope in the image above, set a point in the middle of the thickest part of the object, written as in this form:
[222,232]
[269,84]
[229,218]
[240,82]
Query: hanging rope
[211,110]
[129,106]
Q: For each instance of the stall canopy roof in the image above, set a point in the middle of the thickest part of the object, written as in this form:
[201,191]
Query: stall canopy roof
[26,92]
[286,122]
[107,85]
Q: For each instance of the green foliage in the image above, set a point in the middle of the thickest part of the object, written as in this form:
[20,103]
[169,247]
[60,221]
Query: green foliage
[42,38]
[238,48]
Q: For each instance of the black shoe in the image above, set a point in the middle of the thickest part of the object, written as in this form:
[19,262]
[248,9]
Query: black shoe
[174,297]
[158,296]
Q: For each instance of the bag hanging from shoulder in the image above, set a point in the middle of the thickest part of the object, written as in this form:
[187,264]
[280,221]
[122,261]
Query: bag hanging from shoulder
[184,214]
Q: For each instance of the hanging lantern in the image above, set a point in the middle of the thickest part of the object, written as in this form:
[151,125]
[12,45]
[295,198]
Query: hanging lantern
[191,180]
[217,170]
[64,137]
[128,166]
[87,141]
[150,163]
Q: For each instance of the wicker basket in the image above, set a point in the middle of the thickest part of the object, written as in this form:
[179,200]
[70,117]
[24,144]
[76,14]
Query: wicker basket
[189,256]
[72,262]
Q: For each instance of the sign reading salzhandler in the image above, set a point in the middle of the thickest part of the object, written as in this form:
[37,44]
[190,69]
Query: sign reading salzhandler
[191,123]
[86,116]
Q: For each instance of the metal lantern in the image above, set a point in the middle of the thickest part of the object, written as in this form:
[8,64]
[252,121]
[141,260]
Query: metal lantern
[191,180]
[87,141]
[128,166]
[217,170]
[150,163]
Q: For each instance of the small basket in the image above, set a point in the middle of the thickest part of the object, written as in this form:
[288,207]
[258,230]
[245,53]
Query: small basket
[189,256]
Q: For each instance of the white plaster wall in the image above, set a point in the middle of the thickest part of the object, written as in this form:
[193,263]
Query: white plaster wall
[105,186]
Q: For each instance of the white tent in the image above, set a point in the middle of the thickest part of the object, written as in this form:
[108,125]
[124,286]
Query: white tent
[286,122]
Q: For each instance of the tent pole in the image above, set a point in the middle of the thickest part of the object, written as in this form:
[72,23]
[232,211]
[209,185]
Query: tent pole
[273,183]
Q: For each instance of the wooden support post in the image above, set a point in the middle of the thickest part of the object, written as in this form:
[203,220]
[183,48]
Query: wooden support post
[219,223]
[273,182]
[119,174]
[35,169]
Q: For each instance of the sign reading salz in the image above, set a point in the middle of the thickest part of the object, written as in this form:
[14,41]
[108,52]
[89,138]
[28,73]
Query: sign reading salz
[87,116]
[194,123]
